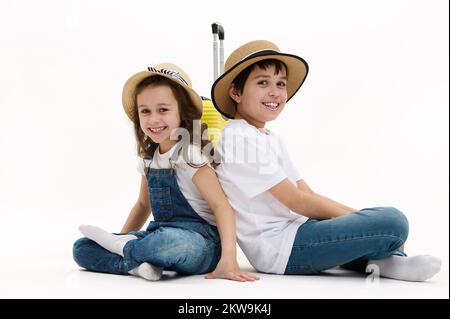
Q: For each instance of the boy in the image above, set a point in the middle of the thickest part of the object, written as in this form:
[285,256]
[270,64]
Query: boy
[284,227]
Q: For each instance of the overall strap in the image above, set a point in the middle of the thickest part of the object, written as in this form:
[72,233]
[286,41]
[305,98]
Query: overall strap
[180,147]
[149,157]
[151,152]
[176,153]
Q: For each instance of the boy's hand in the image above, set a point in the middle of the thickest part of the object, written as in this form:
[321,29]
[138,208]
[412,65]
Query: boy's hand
[229,269]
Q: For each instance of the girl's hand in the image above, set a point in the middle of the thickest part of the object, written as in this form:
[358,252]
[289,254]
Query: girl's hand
[229,269]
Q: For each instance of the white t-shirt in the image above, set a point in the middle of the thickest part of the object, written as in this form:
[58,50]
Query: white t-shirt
[184,175]
[253,161]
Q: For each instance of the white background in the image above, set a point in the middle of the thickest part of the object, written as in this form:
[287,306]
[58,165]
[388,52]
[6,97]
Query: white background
[368,128]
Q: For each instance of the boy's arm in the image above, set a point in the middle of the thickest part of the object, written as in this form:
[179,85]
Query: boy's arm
[141,210]
[307,204]
[301,185]
[209,187]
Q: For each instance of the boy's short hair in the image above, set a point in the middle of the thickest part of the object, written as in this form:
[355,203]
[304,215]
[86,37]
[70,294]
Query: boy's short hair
[241,78]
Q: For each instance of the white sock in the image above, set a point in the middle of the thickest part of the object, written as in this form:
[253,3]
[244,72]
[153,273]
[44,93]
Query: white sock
[111,242]
[415,268]
[147,271]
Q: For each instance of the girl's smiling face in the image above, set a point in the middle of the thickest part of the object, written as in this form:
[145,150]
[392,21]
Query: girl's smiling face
[264,95]
[158,115]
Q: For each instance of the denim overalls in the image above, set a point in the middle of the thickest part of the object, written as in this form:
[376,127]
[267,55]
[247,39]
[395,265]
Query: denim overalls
[178,239]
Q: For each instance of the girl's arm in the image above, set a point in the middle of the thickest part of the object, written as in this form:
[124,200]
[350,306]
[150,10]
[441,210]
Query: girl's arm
[140,212]
[209,187]
[305,203]
[301,185]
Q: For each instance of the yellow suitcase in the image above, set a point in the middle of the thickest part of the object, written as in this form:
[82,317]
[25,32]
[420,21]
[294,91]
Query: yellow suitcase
[213,119]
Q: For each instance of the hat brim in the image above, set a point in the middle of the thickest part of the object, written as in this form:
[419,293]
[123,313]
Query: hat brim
[297,72]
[129,92]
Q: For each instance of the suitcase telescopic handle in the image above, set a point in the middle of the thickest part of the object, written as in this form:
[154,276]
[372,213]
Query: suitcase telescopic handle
[218,51]
[218,29]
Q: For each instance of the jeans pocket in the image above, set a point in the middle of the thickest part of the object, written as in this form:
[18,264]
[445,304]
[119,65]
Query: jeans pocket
[161,203]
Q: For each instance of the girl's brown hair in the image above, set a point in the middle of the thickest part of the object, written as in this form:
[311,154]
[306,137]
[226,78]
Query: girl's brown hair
[188,114]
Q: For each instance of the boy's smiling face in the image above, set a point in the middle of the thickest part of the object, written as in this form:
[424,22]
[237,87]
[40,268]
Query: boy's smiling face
[264,96]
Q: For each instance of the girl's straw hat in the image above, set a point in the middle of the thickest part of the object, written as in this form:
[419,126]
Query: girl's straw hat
[247,55]
[167,70]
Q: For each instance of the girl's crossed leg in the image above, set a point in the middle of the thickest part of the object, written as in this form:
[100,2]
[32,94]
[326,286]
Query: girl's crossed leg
[146,253]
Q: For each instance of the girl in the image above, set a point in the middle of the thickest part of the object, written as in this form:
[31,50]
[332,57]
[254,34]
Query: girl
[178,186]
[264,187]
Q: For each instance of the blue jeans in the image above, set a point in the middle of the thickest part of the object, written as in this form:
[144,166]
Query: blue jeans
[348,241]
[184,251]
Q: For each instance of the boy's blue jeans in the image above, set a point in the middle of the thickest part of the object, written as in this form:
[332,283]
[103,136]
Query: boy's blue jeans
[348,241]
[181,250]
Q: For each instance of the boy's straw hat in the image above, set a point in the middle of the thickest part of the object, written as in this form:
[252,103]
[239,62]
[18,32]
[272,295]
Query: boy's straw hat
[247,55]
[167,70]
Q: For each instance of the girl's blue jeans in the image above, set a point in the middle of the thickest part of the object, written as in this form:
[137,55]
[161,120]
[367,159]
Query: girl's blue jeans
[184,251]
[348,241]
